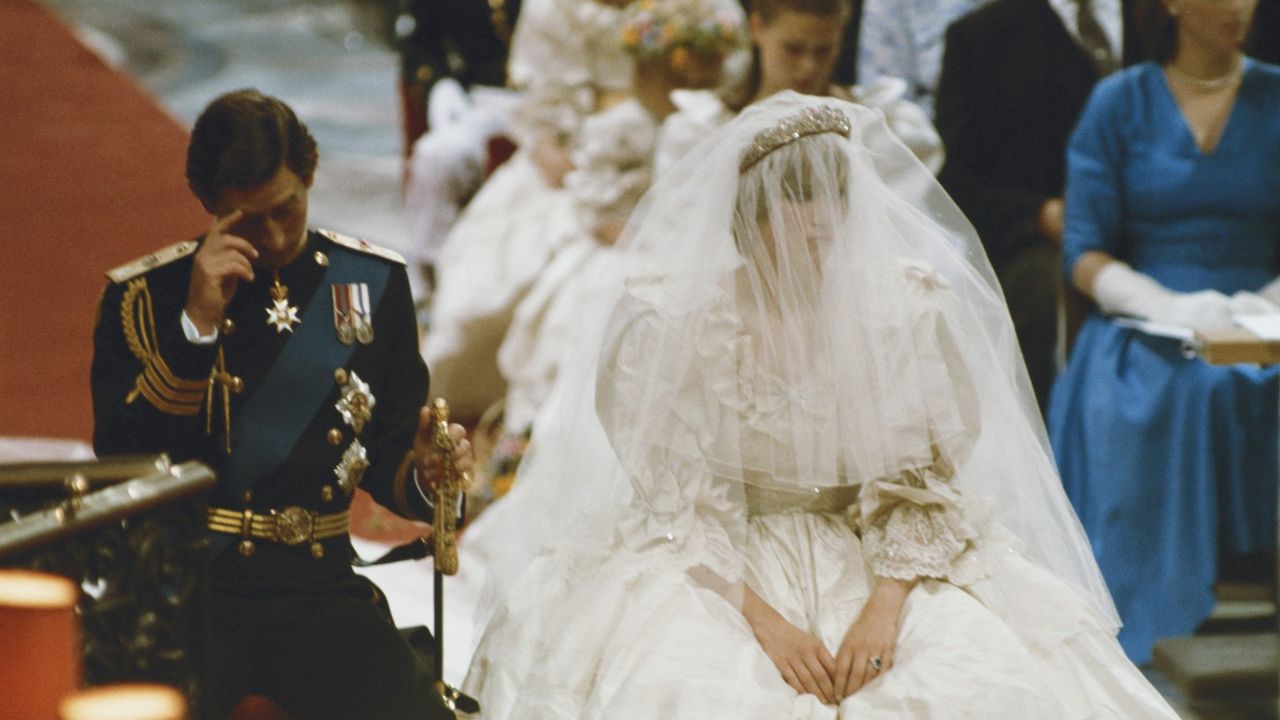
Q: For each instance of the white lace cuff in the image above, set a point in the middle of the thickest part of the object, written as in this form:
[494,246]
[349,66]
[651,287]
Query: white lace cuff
[916,528]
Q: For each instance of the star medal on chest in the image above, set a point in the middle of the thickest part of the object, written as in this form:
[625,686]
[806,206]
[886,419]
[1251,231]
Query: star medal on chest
[281,314]
[351,315]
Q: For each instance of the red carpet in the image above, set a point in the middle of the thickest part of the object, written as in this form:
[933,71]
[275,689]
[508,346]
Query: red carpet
[91,176]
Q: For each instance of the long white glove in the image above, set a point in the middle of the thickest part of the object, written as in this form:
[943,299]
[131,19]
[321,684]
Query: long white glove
[1266,300]
[1121,290]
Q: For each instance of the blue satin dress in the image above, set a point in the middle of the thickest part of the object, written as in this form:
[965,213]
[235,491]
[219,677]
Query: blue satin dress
[1170,462]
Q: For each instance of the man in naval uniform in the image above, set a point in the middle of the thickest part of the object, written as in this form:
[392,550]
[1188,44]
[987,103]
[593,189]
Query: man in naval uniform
[286,359]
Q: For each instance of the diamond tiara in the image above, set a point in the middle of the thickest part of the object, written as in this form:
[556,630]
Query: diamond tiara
[810,121]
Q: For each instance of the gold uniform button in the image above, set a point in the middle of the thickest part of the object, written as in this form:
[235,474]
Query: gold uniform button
[335,436]
[340,376]
[247,548]
[321,259]
[237,385]
[326,493]
[228,326]
[317,550]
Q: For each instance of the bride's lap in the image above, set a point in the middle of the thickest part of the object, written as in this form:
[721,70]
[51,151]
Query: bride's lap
[954,657]
[642,642]
[639,639]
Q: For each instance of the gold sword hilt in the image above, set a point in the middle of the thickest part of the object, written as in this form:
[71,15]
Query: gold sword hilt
[448,489]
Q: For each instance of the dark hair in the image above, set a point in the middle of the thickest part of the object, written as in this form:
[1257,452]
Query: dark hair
[771,9]
[1157,30]
[241,140]
[740,96]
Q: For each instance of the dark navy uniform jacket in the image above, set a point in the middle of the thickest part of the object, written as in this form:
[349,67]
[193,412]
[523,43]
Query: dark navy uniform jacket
[152,388]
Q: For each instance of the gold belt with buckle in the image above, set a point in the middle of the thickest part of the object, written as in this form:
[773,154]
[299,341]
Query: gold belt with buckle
[289,526]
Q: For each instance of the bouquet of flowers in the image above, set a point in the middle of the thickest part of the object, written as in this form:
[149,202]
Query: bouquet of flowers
[676,28]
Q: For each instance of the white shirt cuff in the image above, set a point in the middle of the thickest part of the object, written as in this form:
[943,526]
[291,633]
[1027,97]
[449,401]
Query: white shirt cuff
[193,334]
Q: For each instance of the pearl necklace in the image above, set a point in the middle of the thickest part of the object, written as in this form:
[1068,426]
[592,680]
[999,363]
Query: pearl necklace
[1210,84]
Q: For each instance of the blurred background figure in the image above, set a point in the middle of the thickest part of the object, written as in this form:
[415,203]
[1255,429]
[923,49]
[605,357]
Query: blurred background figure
[795,45]
[904,39]
[566,59]
[1015,76]
[1173,216]
[675,44]
[463,40]
[456,104]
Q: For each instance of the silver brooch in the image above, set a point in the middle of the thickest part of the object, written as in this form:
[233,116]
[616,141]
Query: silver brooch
[350,470]
[355,402]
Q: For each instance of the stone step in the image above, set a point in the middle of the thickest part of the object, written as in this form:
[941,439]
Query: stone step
[1242,608]
[1221,667]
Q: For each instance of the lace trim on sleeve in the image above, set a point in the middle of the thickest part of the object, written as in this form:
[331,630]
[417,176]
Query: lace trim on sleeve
[915,526]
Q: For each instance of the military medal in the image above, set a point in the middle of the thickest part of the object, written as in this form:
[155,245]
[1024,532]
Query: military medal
[351,314]
[342,314]
[281,314]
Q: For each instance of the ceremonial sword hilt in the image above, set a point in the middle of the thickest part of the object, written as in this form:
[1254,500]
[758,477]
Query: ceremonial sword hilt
[449,488]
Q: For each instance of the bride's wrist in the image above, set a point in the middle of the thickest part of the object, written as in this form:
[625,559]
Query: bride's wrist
[755,610]
[892,591]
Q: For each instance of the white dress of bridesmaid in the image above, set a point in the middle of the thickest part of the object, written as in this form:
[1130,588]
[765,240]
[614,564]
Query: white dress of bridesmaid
[612,169]
[805,384]
[566,58]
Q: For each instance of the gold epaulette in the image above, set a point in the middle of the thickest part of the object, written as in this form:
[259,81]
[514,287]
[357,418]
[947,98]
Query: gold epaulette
[163,256]
[363,246]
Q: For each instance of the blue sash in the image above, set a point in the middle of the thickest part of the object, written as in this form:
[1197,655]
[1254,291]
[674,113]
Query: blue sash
[270,424]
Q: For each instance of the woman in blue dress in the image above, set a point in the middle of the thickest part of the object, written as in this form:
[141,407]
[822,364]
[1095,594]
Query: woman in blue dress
[1173,216]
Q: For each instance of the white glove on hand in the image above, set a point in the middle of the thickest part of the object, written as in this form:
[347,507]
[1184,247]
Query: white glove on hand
[1247,303]
[1271,291]
[1199,310]
[1121,290]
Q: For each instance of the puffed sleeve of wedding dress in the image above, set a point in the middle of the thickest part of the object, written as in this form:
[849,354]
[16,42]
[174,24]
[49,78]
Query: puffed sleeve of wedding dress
[562,53]
[613,165]
[914,522]
[661,428]
[698,113]
[906,119]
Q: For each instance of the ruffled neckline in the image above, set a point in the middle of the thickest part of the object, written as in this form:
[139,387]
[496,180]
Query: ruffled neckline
[744,385]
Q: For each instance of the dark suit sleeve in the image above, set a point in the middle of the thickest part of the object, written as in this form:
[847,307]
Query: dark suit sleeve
[401,396]
[148,381]
[970,113]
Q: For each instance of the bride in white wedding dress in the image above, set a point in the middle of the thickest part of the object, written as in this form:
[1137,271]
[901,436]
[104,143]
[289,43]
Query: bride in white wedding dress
[797,471]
